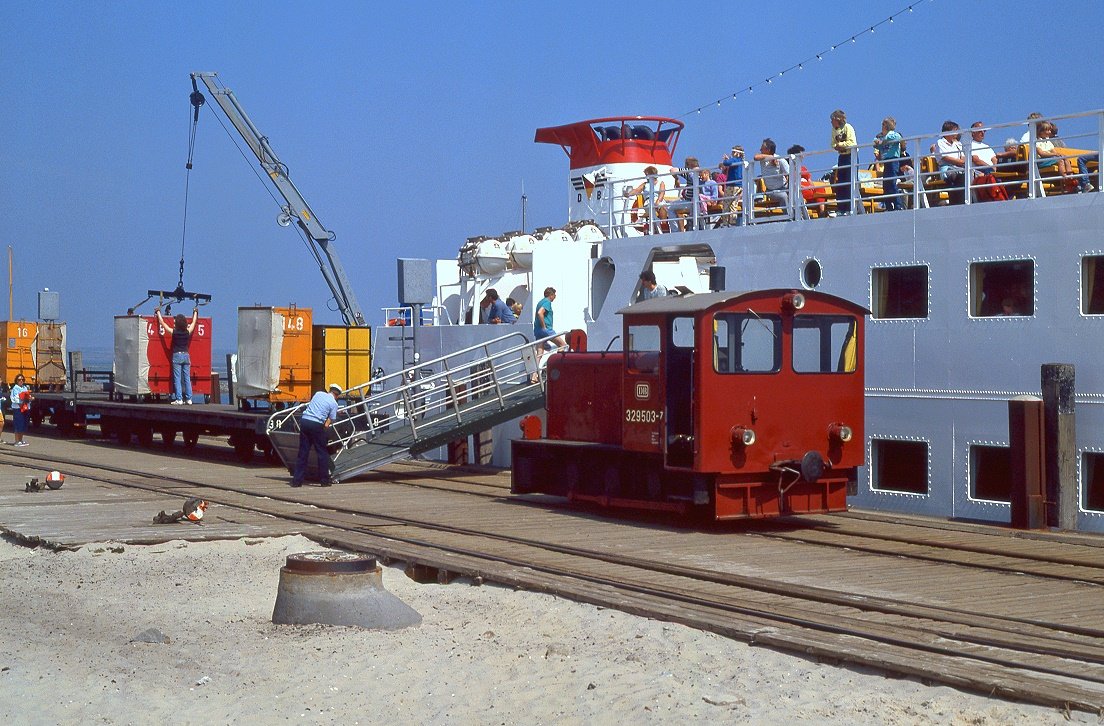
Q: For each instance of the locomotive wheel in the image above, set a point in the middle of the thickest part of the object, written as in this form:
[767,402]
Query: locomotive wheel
[191,438]
[123,434]
[168,436]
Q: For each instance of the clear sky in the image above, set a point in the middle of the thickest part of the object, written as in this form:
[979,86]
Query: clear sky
[409,127]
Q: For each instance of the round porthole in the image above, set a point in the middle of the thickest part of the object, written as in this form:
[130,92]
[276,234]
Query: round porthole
[811,274]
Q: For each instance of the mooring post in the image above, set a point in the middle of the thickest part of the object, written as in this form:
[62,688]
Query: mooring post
[1060,445]
[1025,440]
[216,388]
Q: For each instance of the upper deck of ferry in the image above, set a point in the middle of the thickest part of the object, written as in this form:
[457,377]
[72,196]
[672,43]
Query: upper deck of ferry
[609,157]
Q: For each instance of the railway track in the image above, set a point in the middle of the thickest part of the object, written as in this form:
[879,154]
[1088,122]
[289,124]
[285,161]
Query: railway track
[449,523]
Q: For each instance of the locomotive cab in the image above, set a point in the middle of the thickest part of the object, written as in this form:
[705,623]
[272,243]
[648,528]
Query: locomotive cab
[744,404]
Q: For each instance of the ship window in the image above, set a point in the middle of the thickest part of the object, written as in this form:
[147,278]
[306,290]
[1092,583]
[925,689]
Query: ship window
[1002,288]
[644,348]
[811,274]
[899,466]
[899,292]
[990,473]
[682,332]
[747,343]
[1092,285]
[825,344]
[1092,481]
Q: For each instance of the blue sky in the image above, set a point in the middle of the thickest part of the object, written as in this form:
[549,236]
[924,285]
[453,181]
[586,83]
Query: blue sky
[409,127]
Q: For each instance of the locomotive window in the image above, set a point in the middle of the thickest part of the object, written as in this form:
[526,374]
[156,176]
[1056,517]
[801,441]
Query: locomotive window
[825,344]
[644,348]
[747,343]
[682,332]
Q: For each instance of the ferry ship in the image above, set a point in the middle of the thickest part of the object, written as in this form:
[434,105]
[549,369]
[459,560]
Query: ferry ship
[969,296]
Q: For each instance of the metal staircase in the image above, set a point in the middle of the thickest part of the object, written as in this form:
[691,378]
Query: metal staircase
[422,408]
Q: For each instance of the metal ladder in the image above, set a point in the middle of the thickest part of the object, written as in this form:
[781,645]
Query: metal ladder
[423,407]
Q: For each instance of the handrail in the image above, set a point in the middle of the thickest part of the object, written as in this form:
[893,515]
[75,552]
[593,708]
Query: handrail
[407,378]
[458,387]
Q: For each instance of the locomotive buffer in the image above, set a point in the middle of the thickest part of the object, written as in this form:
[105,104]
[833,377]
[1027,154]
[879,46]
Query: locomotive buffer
[419,409]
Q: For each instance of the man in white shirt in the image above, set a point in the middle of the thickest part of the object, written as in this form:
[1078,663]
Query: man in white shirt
[981,154]
[951,160]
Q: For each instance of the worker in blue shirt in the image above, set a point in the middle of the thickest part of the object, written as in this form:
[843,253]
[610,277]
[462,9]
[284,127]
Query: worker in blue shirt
[317,418]
[496,310]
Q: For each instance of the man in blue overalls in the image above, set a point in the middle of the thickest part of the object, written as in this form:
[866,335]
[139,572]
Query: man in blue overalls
[313,432]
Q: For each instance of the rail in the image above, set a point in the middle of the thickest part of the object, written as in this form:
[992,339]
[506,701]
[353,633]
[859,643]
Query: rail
[822,188]
[429,315]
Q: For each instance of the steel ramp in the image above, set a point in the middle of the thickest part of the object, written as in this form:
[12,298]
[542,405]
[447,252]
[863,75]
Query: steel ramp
[422,408]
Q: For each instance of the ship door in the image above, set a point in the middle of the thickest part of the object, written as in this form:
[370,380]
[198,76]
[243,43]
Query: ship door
[680,393]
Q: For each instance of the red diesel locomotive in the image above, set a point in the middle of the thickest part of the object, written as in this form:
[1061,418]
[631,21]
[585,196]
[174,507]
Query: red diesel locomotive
[735,404]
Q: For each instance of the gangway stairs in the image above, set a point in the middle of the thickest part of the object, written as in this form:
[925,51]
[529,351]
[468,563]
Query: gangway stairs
[418,409]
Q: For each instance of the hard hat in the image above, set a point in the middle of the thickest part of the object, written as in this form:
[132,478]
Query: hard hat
[55,479]
[335,387]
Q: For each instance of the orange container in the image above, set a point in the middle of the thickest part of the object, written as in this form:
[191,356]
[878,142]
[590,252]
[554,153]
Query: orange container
[274,354]
[17,352]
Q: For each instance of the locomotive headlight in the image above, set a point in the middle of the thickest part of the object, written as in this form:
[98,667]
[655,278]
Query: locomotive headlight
[793,301]
[841,432]
[742,436]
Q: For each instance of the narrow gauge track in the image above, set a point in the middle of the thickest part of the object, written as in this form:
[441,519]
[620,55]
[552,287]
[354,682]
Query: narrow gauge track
[1048,660]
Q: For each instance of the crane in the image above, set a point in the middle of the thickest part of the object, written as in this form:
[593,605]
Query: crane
[295,206]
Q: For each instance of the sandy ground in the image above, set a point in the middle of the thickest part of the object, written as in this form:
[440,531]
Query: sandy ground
[483,655]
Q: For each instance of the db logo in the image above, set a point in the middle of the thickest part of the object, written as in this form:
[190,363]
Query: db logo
[643,391]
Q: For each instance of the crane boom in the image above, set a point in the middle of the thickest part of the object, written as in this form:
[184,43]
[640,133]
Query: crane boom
[296,207]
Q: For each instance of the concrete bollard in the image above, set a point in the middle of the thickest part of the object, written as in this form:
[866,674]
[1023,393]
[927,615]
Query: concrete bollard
[338,588]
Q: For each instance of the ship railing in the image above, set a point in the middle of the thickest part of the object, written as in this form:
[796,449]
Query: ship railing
[645,205]
[428,314]
[464,384]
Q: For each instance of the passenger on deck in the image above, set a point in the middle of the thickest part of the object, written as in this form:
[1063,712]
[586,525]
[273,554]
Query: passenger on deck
[815,199]
[734,182]
[656,186]
[649,288]
[982,155]
[774,171]
[1084,181]
[1031,118]
[687,181]
[709,194]
[843,141]
[1048,155]
[887,147]
[515,307]
[951,160]
[497,311]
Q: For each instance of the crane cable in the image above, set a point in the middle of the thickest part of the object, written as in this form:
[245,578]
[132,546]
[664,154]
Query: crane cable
[197,100]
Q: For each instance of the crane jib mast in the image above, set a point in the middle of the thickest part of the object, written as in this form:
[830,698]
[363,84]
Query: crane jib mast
[295,207]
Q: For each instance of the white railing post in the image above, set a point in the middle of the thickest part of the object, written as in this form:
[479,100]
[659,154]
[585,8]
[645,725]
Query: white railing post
[967,168]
